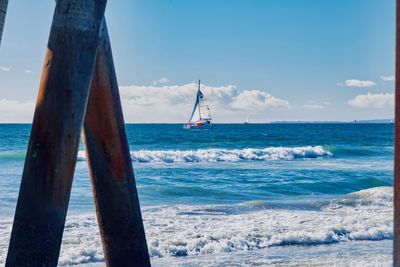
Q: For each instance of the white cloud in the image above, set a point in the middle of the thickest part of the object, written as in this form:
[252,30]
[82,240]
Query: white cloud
[314,105]
[256,100]
[356,83]
[16,111]
[3,68]
[388,78]
[28,71]
[174,103]
[161,81]
[370,100]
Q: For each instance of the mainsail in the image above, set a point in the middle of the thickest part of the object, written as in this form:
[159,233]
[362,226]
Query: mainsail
[201,110]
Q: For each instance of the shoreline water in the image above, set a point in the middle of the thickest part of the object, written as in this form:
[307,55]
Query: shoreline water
[359,254]
[183,235]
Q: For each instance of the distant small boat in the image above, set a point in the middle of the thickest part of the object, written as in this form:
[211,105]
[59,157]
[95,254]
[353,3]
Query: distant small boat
[201,116]
[247,120]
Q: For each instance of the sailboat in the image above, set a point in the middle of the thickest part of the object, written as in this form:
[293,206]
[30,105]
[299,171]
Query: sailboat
[247,120]
[201,116]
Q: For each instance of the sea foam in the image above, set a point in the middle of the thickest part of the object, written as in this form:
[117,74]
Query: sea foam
[225,155]
[183,230]
[188,230]
[207,155]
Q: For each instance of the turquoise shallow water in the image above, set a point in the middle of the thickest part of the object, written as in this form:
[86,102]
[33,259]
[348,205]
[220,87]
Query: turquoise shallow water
[233,189]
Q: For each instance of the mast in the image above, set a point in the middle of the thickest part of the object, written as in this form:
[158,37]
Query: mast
[198,100]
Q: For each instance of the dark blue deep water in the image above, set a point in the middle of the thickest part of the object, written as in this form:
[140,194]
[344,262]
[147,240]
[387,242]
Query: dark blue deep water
[231,163]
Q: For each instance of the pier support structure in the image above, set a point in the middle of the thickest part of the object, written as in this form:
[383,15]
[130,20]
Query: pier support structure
[53,146]
[396,243]
[3,12]
[74,53]
[110,166]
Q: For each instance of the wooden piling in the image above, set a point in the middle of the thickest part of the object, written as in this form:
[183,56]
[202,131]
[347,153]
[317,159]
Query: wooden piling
[110,167]
[396,243]
[3,12]
[52,150]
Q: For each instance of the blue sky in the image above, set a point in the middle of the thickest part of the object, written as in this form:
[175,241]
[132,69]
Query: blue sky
[270,59]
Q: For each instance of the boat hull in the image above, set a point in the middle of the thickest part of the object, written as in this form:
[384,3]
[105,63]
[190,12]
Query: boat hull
[199,125]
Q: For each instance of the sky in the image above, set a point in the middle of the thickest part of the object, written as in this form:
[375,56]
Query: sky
[271,60]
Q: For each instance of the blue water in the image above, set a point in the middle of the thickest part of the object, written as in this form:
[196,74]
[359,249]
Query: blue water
[235,170]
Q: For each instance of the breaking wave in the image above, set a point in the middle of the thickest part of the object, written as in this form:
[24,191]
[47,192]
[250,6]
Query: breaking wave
[183,230]
[207,155]
[225,155]
[365,215]
[215,155]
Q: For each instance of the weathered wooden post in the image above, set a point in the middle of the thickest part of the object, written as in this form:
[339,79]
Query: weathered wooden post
[113,182]
[51,156]
[396,245]
[3,11]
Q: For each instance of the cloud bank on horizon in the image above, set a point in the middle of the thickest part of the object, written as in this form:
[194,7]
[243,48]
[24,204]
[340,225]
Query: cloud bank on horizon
[161,102]
[173,103]
[371,100]
[16,111]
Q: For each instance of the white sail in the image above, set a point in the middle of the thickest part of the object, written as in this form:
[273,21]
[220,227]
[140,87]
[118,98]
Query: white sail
[201,110]
[204,109]
[196,112]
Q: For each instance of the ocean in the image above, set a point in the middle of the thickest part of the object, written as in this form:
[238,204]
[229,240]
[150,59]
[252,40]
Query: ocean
[237,195]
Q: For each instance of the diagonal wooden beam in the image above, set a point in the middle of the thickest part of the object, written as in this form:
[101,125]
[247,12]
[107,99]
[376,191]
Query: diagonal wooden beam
[110,167]
[53,146]
[3,11]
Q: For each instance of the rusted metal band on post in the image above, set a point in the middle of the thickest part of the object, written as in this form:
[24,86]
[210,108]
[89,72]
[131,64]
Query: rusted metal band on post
[3,11]
[110,167]
[53,146]
[396,241]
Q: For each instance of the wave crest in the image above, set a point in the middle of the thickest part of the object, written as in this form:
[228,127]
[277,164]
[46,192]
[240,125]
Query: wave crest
[208,155]
[229,155]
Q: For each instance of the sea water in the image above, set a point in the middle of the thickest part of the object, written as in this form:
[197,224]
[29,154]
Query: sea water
[237,195]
